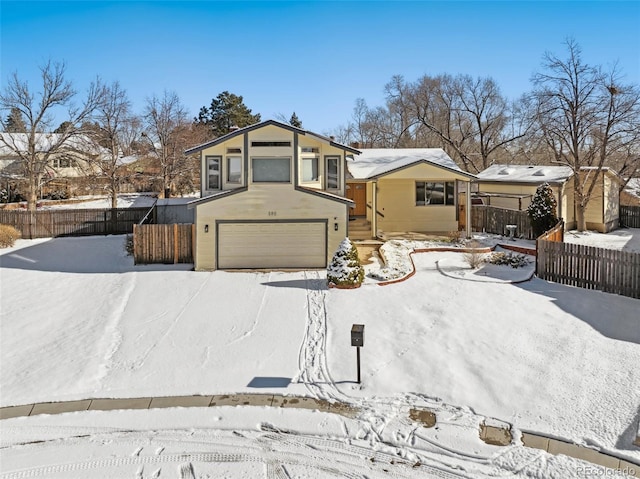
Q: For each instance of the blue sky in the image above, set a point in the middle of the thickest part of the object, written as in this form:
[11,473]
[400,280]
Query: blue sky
[314,58]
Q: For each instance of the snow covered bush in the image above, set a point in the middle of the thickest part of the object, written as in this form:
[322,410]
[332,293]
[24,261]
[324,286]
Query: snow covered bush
[542,210]
[510,259]
[345,268]
[8,236]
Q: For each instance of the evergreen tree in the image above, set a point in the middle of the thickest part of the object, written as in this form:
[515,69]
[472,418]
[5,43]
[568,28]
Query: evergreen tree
[345,268]
[542,210]
[295,121]
[65,125]
[226,111]
[15,122]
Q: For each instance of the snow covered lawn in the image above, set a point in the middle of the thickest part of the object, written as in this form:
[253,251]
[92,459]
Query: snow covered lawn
[79,320]
[624,239]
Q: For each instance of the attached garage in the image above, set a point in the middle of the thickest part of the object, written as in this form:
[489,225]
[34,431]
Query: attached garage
[271,244]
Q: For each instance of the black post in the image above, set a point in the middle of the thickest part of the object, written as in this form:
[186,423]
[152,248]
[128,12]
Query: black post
[358,356]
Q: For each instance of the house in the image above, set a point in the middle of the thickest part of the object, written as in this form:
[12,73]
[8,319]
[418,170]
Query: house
[630,196]
[513,187]
[72,160]
[407,190]
[272,196]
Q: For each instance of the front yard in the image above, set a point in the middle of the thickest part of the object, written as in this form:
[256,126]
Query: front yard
[78,320]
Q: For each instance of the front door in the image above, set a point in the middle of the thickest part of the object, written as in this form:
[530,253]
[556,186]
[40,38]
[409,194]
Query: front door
[358,193]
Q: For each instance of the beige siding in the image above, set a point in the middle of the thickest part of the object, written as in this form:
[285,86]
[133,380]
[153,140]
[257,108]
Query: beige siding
[612,200]
[397,202]
[266,202]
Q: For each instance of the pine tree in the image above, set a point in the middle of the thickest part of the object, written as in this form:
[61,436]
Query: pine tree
[295,121]
[15,122]
[345,268]
[542,210]
[226,111]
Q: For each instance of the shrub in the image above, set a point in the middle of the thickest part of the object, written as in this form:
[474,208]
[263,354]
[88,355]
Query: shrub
[454,236]
[510,259]
[128,245]
[542,210]
[345,268]
[475,257]
[8,236]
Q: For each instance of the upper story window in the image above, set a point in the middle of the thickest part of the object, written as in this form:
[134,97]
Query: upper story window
[270,143]
[213,172]
[310,149]
[333,172]
[271,170]
[234,150]
[64,162]
[435,193]
[234,169]
[310,169]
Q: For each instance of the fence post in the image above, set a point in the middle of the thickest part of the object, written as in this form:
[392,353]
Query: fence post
[175,243]
[134,244]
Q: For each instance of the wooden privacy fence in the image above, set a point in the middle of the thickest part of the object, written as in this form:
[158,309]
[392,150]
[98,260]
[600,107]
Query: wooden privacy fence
[494,220]
[554,234]
[72,222]
[588,267]
[630,216]
[163,243]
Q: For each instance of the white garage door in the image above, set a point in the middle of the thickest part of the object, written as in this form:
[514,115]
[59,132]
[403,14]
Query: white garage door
[272,245]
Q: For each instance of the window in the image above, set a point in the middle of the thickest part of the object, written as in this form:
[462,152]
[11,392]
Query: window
[233,150]
[234,169]
[270,143]
[64,162]
[333,178]
[434,193]
[271,170]
[310,149]
[213,172]
[310,169]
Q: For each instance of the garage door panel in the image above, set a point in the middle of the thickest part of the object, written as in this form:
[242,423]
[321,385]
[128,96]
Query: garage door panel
[272,245]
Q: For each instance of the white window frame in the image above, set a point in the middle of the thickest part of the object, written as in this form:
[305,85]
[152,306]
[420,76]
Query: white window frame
[208,161]
[270,158]
[338,183]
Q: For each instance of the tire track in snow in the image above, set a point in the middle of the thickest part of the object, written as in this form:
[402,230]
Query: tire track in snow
[256,319]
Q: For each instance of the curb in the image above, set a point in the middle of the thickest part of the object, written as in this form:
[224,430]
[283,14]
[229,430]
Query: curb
[106,404]
[428,418]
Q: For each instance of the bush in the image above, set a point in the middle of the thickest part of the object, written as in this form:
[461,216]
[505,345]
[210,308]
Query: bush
[8,236]
[542,210]
[345,268]
[475,257]
[510,259]
[455,236]
[128,245]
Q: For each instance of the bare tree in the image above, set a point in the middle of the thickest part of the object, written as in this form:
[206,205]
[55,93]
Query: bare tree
[169,133]
[468,117]
[585,117]
[35,147]
[112,115]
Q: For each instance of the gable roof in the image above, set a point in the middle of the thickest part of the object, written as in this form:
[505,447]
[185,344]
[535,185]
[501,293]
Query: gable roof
[44,141]
[533,174]
[262,124]
[375,162]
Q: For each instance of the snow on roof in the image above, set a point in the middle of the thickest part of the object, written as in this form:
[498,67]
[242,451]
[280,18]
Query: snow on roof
[526,173]
[44,142]
[372,162]
[633,187]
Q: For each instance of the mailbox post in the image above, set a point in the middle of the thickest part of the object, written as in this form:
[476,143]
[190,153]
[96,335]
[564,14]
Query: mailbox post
[357,340]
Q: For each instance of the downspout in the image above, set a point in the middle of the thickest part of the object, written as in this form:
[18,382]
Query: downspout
[468,209]
[374,207]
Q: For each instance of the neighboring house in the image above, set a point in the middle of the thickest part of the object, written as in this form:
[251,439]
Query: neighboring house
[630,196]
[73,160]
[272,197]
[407,190]
[513,186]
